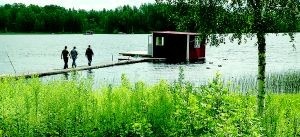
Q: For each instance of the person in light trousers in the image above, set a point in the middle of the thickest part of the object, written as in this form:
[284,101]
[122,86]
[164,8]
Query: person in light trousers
[74,54]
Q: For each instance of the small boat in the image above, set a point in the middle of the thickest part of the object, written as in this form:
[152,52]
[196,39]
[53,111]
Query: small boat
[89,33]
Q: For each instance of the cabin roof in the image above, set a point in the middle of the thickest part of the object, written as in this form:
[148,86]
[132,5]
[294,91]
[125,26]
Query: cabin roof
[175,32]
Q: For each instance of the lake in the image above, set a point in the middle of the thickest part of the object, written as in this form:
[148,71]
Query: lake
[33,53]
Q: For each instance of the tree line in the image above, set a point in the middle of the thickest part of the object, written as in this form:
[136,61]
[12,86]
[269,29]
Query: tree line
[55,19]
[144,19]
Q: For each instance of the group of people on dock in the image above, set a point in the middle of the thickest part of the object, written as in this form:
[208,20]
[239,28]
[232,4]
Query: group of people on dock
[65,54]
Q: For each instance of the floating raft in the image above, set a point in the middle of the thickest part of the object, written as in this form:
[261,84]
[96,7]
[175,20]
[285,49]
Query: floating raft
[61,71]
[136,54]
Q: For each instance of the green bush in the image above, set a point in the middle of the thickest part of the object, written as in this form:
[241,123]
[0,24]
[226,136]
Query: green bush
[30,107]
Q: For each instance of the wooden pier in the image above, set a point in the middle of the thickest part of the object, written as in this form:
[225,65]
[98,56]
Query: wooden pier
[136,54]
[62,71]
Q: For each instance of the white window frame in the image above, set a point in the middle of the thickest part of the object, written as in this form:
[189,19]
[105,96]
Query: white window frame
[160,41]
[197,43]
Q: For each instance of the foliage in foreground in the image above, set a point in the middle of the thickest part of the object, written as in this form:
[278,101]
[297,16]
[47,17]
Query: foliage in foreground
[73,108]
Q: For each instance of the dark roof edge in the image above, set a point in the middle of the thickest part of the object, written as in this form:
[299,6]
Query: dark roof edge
[175,32]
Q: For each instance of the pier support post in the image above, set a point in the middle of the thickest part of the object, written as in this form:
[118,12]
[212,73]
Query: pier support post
[187,48]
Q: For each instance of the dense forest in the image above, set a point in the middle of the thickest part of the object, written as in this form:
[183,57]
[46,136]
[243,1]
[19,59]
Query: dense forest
[20,18]
[56,19]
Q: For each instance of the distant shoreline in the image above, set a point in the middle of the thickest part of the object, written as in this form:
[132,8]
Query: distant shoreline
[47,33]
[32,33]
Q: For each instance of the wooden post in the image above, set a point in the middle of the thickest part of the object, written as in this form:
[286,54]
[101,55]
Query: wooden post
[187,48]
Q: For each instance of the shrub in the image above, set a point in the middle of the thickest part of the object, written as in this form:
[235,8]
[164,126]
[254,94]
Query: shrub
[30,107]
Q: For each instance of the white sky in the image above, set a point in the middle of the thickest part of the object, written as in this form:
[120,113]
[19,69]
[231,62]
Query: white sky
[81,4]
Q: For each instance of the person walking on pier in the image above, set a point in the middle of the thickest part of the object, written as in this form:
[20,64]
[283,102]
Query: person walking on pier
[64,55]
[74,54]
[89,54]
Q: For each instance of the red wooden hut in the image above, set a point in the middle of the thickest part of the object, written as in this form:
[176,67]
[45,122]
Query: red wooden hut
[176,46]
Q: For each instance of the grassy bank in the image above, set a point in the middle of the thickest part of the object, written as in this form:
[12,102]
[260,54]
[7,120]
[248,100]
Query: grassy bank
[74,108]
[286,82]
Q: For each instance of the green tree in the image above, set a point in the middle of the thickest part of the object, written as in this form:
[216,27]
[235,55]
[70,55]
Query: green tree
[51,18]
[54,18]
[37,19]
[25,20]
[14,9]
[3,19]
[74,21]
[216,17]
[256,17]
[93,21]
[157,16]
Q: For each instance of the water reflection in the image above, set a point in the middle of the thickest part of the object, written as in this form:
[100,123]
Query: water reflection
[73,75]
[90,74]
[66,76]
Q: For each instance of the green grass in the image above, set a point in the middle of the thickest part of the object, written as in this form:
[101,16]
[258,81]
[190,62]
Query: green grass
[30,107]
[286,82]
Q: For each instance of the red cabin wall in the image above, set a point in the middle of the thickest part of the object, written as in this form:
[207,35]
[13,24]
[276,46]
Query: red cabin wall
[197,53]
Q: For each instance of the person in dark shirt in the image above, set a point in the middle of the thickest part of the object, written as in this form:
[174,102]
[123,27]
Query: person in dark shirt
[64,55]
[74,54]
[89,54]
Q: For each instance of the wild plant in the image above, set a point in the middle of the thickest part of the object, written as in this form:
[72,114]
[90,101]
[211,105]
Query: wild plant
[31,107]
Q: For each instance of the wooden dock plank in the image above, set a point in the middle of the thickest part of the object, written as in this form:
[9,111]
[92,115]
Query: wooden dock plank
[136,53]
[61,71]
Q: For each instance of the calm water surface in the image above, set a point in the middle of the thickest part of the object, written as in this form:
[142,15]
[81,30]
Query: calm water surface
[42,52]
